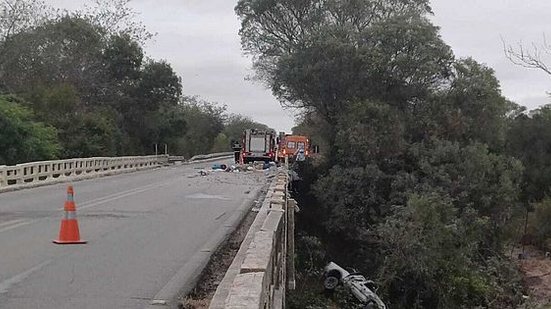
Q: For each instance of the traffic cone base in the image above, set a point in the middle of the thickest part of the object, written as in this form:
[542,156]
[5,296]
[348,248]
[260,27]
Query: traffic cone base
[60,242]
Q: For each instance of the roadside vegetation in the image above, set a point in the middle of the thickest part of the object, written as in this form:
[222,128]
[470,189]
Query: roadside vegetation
[427,169]
[79,84]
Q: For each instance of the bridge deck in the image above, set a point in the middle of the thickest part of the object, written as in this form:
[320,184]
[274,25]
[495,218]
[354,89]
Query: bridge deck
[141,227]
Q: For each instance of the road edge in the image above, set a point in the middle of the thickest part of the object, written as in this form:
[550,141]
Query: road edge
[187,276]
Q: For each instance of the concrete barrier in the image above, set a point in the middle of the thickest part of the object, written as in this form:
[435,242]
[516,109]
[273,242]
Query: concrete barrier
[3,176]
[263,267]
[210,156]
[47,172]
[34,174]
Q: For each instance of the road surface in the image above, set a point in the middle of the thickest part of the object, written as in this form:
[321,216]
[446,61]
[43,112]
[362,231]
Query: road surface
[142,228]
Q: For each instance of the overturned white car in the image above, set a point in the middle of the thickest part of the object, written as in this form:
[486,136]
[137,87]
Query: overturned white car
[361,288]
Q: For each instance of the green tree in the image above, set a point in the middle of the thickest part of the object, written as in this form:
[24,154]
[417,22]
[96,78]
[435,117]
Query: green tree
[22,138]
[415,165]
[471,109]
[529,140]
[540,223]
[158,85]
[221,143]
[18,15]
[82,132]
[235,125]
[317,53]
[172,127]
[205,122]
[86,80]
[123,57]
[431,253]
[152,107]
[59,51]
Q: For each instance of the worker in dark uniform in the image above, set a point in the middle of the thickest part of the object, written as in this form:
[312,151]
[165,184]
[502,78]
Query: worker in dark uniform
[236,146]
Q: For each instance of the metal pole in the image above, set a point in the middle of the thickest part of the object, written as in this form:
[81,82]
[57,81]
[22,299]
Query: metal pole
[156,150]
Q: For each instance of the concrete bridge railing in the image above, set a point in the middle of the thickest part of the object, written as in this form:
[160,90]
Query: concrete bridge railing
[264,266]
[47,172]
[210,156]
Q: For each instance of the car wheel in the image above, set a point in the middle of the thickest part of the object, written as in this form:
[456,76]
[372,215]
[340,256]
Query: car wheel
[330,282]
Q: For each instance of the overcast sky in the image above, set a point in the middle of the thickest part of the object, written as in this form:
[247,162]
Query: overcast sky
[476,27]
[199,38]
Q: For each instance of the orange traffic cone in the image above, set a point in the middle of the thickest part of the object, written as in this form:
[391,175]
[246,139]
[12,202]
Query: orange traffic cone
[68,232]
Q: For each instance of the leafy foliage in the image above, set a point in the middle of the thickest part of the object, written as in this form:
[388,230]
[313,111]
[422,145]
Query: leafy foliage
[237,124]
[85,73]
[542,229]
[432,259]
[529,139]
[205,122]
[22,138]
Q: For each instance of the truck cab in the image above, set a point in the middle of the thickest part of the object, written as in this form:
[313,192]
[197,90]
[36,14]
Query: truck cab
[294,146]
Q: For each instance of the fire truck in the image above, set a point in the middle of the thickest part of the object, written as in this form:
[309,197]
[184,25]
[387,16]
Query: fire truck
[258,146]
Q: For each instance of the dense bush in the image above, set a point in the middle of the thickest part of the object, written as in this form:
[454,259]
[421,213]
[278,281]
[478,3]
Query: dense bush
[22,138]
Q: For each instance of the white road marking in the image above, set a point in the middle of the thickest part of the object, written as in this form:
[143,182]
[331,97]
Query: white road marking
[10,222]
[116,196]
[11,227]
[6,284]
[6,226]
[208,196]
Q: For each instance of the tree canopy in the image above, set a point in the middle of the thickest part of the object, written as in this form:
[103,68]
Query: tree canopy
[417,186]
[23,138]
[85,73]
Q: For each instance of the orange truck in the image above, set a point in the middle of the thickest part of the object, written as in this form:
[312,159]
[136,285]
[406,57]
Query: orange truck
[294,147]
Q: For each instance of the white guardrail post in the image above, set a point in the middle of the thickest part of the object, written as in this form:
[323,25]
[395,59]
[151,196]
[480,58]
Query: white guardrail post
[3,177]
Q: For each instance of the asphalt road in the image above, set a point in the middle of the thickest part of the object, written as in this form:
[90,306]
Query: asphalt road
[142,228]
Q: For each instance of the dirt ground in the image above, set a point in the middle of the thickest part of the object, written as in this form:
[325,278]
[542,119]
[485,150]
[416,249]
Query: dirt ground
[537,276]
[220,261]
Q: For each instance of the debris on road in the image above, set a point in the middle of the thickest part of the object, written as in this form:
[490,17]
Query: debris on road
[219,167]
[241,168]
[203,173]
[159,302]
[256,207]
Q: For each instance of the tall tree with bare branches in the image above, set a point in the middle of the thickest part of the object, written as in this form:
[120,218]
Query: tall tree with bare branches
[537,57]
